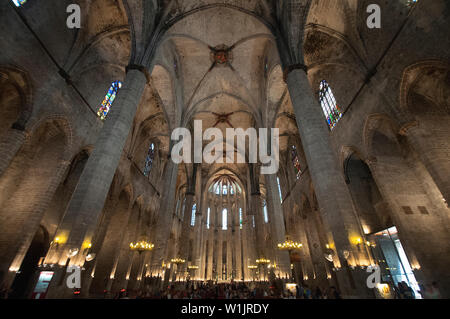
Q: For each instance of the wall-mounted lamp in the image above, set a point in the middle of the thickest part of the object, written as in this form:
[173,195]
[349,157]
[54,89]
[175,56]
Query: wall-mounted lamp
[72,252]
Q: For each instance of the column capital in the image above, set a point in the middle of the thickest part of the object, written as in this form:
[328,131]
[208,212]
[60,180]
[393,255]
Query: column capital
[292,67]
[139,68]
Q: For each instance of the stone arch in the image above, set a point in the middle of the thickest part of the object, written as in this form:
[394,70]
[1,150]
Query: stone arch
[425,102]
[374,213]
[16,98]
[28,185]
[407,186]
[21,287]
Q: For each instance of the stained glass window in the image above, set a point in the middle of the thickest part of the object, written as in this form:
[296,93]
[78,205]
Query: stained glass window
[240,217]
[253,221]
[295,162]
[217,187]
[19,3]
[208,214]
[279,190]
[194,211]
[266,215]
[225,189]
[109,99]
[224,219]
[329,106]
[149,159]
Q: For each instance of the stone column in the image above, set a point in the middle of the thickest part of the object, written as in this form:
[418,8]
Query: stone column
[84,209]
[183,250]
[210,247]
[277,225]
[332,193]
[237,244]
[256,211]
[163,224]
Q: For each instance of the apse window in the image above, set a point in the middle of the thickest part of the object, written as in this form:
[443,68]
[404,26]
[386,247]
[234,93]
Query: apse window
[279,190]
[19,3]
[295,163]
[109,99]
[329,106]
[208,214]
[149,159]
[194,211]
[266,215]
[224,219]
[240,217]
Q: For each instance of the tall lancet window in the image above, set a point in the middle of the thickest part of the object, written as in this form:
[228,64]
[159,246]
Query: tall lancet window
[194,211]
[109,99]
[149,159]
[224,219]
[19,3]
[240,217]
[279,190]
[208,216]
[329,106]
[266,214]
[183,208]
[296,162]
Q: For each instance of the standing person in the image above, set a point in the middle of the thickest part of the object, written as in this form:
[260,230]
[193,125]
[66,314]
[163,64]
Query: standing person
[407,292]
[334,294]
[318,293]
[432,291]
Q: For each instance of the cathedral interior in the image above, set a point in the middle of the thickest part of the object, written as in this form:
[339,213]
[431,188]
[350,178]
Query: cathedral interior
[89,185]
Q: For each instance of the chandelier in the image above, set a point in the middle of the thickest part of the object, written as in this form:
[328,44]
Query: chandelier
[262,261]
[290,245]
[177,261]
[141,246]
[192,267]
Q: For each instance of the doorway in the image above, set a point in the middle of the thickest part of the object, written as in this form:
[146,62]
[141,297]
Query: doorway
[393,262]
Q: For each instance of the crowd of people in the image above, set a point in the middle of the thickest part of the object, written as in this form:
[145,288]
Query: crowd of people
[232,291]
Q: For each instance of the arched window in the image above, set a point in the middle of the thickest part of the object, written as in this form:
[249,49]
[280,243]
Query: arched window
[225,189]
[217,188]
[296,162]
[266,215]
[224,219]
[183,207]
[19,3]
[194,211]
[208,214]
[149,159]
[253,221]
[279,189]
[240,217]
[329,105]
[109,99]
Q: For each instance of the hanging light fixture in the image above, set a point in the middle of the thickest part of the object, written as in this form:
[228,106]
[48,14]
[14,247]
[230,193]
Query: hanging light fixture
[141,246]
[289,245]
[177,261]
